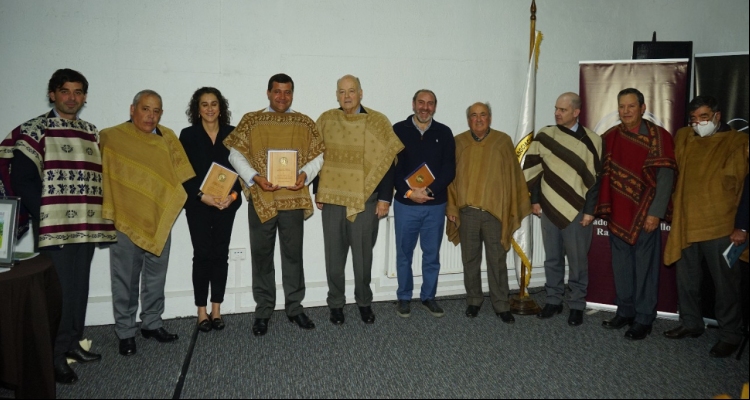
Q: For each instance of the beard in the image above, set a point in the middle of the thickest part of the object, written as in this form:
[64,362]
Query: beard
[421,121]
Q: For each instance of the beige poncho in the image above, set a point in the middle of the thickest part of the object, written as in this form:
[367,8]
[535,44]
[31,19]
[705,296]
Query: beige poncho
[360,148]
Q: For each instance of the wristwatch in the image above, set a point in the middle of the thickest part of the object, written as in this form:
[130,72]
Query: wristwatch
[199,196]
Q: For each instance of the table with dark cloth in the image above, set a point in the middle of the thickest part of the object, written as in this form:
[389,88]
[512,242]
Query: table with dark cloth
[30,310]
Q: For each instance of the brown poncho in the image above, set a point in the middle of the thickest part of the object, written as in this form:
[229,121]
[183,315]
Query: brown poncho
[488,176]
[261,131]
[360,149]
[708,189]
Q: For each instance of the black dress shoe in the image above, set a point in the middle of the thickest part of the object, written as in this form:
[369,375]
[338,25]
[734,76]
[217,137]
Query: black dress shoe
[638,331]
[160,334]
[337,316]
[205,325]
[506,317]
[83,356]
[64,374]
[617,322]
[302,321]
[260,326]
[575,318]
[368,316]
[681,332]
[127,346]
[723,350]
[550,310]
[472,311]
[217,323]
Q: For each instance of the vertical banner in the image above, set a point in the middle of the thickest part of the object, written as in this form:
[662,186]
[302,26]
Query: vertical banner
[663,84]
[726,77]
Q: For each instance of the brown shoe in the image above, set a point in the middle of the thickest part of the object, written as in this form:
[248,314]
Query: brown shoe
[723,350]
[681,332]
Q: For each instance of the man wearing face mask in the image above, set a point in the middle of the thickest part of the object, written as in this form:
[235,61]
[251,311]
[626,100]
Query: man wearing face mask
[712,159]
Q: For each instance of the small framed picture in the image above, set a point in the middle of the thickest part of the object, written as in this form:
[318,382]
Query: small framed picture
[8,228]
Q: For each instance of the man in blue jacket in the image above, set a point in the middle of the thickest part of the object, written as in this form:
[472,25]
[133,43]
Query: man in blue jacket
[420,211]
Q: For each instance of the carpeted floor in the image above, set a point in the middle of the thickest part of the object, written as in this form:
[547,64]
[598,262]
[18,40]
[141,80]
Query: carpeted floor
[417,357]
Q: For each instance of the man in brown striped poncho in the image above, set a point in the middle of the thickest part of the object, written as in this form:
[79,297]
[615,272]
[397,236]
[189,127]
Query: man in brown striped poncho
[563,170]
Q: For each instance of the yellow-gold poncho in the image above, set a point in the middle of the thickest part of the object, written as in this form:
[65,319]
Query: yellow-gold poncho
[143,175]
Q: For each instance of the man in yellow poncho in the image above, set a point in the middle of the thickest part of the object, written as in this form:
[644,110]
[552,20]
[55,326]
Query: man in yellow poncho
[144,166]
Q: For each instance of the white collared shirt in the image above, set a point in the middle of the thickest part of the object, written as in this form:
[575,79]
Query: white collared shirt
[247,172]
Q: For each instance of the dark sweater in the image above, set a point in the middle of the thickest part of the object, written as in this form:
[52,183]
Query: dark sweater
[201,153]
[437,148]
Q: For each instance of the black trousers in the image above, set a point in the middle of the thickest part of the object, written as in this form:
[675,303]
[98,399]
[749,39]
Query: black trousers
[726,280]
[210,233]
[289,224]
[73,265]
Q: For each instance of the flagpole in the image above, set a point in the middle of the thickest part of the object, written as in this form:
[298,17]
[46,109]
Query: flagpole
[531,53]
[533,28]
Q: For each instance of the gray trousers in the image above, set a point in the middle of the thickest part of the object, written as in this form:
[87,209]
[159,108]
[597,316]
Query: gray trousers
[726,281]
[574,241]
[636,272]
[339,234]
[479,227]
[134,269]
[73,265]
[290,226]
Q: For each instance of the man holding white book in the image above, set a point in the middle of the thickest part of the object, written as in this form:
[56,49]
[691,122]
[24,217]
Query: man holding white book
[425,168]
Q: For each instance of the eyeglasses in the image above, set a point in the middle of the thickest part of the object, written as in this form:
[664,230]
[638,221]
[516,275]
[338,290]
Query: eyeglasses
[704,120]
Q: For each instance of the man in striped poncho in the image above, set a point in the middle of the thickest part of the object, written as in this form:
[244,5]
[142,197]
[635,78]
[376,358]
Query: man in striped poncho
[52,162]
[563,170]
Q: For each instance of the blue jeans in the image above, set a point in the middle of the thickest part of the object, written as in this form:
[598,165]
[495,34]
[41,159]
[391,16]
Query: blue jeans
[425,223]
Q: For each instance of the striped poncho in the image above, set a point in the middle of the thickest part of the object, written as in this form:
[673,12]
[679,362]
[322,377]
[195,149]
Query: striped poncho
[66,154]
[565,165]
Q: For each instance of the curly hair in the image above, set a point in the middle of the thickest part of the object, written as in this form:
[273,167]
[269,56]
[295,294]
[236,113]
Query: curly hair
[193,110]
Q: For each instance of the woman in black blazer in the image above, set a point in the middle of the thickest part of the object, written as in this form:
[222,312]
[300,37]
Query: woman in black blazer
[210,219]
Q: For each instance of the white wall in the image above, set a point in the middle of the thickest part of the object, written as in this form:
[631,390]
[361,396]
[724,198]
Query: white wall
[465,51]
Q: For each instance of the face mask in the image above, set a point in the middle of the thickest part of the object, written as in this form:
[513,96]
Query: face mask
[705,128]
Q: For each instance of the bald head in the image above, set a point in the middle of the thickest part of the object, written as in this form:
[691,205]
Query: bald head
[349,93]
[567,109]
[351,78]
